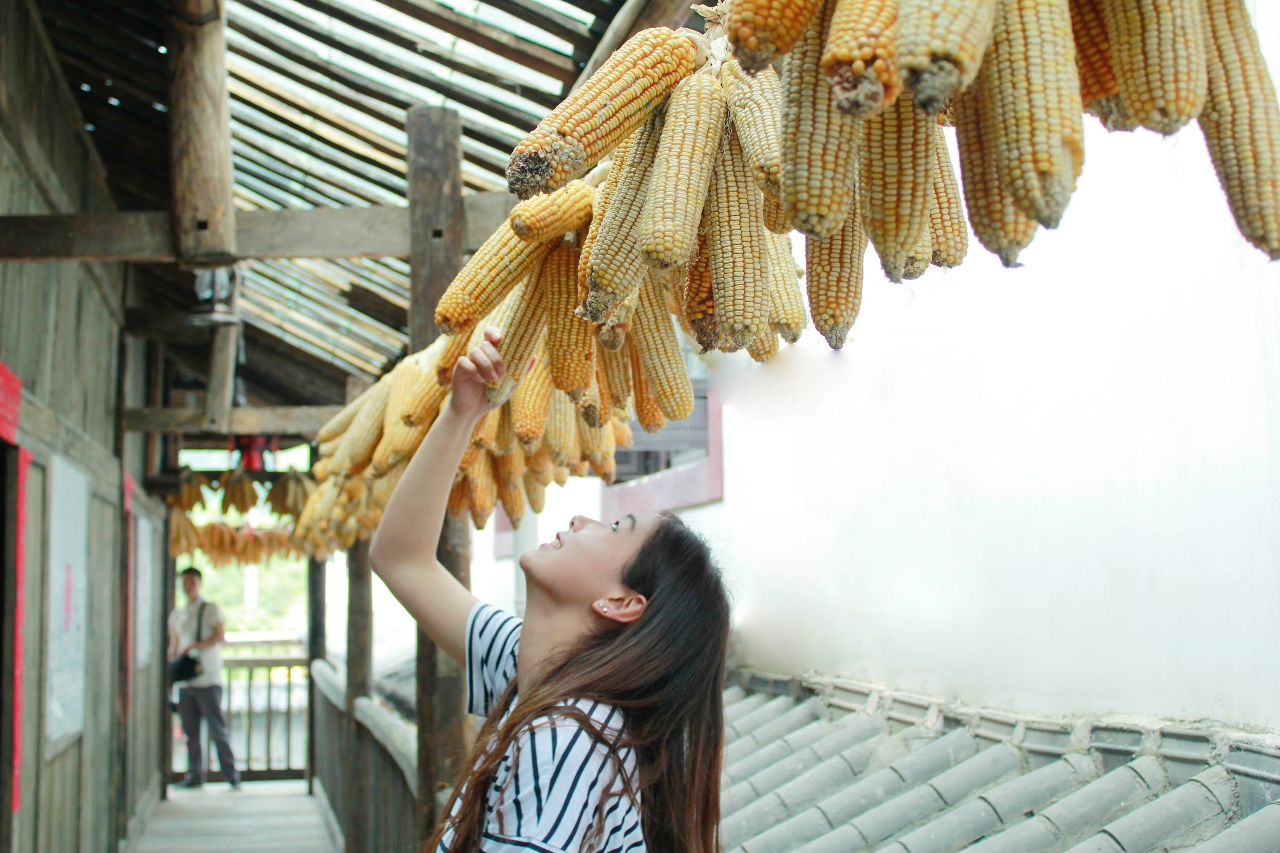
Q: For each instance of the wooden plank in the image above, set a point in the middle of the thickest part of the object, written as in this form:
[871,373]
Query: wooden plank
[262,420]
[323,232]
[204,219]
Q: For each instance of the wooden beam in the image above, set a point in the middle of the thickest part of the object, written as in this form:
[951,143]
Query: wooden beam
[204,218]
[219,397]
[359,681]
[264,420]
[322,232]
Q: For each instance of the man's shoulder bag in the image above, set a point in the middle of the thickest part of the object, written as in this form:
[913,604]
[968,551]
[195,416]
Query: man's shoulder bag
[186,667]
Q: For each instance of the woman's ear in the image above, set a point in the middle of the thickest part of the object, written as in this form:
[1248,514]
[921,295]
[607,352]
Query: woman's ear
[624,608]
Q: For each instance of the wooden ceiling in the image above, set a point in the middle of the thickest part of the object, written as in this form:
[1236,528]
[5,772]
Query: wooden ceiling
[319,90]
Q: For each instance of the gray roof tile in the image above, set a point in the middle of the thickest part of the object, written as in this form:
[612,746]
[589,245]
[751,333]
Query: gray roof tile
[901,773]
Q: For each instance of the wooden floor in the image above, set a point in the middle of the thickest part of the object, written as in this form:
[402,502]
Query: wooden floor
[262,817]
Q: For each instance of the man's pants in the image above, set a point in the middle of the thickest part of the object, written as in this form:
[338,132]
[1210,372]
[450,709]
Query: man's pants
[195,703]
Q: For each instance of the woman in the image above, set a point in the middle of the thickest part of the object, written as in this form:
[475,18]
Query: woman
[605,718]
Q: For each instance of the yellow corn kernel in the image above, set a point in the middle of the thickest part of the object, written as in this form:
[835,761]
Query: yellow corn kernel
[504,441]
[860,59]
[899,157]
[819,141]
[456,346]
[539,464]
[551,216]
[648,411]
[1093,52]
[947,230]
[1159,58]
[998,221]
[765,347]
[775,215]
[485,434]
[917,263]
[762,31]
[531,403]
[692,133]
[497,266]
[1241,123]
[734,226]
[941,44]
[616,268]
[603,196]
[602,112]
[617,375]
[833,272]
[787,317]
[755,104]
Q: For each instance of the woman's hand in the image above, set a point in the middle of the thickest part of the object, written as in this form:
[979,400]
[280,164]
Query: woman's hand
[483,364]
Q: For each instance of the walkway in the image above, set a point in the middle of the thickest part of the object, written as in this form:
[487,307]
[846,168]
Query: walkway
[263,817]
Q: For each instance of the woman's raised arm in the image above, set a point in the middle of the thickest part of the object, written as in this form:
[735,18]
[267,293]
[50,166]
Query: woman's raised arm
[403,550]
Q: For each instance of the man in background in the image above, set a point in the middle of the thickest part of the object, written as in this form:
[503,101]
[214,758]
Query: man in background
[199,629]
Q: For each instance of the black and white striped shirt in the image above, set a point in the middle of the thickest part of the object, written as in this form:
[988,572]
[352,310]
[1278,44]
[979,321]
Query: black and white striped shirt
[557,789]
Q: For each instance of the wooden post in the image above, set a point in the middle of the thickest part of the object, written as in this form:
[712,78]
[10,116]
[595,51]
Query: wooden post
[204,225]
[220,393]
[155,397]
[315,651]
[359,680]
[436,225]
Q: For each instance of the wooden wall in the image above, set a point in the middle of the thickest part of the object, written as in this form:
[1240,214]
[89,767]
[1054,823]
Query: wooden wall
[60,334]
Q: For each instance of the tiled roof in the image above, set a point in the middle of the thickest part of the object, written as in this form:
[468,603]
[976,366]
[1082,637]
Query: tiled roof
[825,766]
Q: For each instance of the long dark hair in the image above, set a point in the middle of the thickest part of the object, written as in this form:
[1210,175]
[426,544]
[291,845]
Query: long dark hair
[664,672]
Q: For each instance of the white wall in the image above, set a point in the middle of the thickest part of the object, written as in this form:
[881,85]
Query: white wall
[1052,489]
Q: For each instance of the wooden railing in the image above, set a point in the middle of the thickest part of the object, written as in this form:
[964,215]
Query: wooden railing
[374,742]
[264,696]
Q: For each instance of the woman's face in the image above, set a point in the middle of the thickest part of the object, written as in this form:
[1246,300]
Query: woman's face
[584,563]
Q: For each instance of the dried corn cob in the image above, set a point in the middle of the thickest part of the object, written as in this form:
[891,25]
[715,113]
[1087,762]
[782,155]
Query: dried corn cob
[360,439]
[615,268]
[523,334]
[485,434]
[497,266]
[592,407]
[623,437]
[764,30]
[941,45]
[536,492]
[571,345]
[948,232]
[459,496]
[859,57]
[614,331]
[755,103]
[603,196]
[562,429]
[551,216]
[775,215]
[504,441]
[617,375]
[530,404]
[1159,58]
[765,347]
[998,222]
[1037,131]
[605,462]
[539,465]
[561,475]
[601,113]
[412,406]
[457,346]
[482,490]
[699,300]
[736,245]
[384,487]
[655,341]
[648,412]
[918,261]
[338,424]
[692,133]
[819,142]
[320,470]
[899,158]
[1241,123]
[606,395]
[834,267]
[509,474]
[787,317]
[1093,52]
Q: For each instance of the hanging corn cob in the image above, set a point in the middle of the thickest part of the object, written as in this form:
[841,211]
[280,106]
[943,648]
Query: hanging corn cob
[898,160]
[699,300]
[1159,59]
[606,109]
[497,266]
[941,45]
[551,216]
[947,230]
[819,141]
[531,404]
[833,275]
[688,148]
[755,103]
[570,342]
[764,30]
[787,316]
[859,57]
[734,225]
[238,492]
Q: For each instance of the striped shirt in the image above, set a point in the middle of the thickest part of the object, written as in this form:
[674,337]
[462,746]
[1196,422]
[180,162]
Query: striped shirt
[557,789]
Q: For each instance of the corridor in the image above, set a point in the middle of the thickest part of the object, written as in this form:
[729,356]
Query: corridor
[263,817]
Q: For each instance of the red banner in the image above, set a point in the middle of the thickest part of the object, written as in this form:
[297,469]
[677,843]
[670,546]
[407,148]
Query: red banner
[10,402]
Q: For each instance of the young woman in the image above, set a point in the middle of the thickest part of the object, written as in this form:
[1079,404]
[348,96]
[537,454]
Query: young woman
[604,715]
